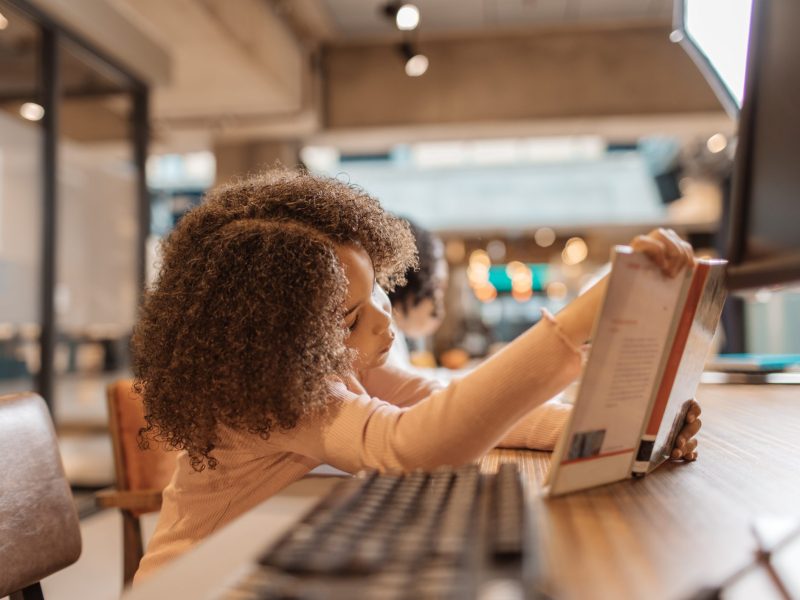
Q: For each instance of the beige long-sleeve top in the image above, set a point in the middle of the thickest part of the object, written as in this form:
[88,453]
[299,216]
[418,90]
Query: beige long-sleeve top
[403,422]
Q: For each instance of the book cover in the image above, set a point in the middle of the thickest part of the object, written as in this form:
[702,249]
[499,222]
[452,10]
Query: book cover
[624,366]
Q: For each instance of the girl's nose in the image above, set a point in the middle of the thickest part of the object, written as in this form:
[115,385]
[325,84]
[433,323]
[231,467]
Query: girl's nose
[383,321]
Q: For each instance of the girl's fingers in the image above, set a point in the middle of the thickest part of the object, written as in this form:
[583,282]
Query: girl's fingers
[687,433]
[653,248]
[679,252]
[686,452]
[688,251]
[666,249]
[693,411]
[671,251]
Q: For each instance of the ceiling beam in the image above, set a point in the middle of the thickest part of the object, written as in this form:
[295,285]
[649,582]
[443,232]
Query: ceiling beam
[545,75]
[116,30]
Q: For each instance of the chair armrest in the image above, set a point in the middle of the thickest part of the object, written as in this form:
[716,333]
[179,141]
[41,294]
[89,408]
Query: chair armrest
[136,500]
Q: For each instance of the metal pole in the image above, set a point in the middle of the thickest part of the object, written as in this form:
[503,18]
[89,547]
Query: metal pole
[50,87]
[141,138]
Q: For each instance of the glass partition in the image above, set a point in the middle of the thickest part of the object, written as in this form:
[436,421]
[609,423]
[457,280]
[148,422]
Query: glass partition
[96,287]
[20,201]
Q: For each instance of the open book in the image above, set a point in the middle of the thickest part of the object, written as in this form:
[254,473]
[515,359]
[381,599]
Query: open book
[650,342]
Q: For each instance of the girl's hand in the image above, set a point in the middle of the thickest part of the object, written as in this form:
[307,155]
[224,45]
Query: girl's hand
[668,251]
[665,248]
[686,444]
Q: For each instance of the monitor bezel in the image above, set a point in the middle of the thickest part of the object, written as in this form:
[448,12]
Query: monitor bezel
[751,274]
[710,74]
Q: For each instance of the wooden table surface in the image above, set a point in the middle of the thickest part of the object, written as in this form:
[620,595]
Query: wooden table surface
[687,524]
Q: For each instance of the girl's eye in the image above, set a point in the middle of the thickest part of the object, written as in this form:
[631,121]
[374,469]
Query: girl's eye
[353,324]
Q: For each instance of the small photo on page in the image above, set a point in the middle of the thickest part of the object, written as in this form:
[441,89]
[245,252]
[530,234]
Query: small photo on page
[586,443]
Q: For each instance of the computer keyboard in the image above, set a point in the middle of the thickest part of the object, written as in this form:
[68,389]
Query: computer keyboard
[453,533]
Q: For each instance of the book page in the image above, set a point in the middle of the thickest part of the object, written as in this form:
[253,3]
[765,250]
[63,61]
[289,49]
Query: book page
[624,362]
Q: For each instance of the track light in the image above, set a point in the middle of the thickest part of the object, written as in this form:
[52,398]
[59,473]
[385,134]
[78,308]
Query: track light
[31,111]
[405,15]
[416,63]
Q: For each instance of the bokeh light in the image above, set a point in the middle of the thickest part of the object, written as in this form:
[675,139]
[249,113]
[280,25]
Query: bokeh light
[575,251]
[544,237]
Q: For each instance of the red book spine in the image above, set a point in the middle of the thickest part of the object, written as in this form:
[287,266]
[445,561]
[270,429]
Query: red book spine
[678,345]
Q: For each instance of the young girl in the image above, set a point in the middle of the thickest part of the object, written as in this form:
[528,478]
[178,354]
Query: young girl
[260,352]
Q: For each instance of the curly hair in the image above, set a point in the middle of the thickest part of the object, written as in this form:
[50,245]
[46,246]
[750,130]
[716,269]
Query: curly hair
[420,281]
[244,325]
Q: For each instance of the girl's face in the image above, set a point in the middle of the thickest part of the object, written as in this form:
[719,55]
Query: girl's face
[367,314]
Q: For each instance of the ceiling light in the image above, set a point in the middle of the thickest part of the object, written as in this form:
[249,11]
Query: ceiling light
[416,63]
[407,17]
[404,15]
[717,143]
[3,22]
[31,111]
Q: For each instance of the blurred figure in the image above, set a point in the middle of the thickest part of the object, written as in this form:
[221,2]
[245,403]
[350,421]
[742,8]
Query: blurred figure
[418,307]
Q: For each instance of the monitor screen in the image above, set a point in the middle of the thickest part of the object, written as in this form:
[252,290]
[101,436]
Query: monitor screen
[715,33]
[765,228]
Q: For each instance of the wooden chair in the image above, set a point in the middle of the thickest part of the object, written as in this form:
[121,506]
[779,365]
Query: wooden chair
[39,530]
[141,474]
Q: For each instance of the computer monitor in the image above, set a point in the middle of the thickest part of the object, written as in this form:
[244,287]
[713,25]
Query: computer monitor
[715,34]
[764,240]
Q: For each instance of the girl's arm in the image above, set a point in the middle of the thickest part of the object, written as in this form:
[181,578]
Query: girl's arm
[538,430]
[452,426]
[397,386]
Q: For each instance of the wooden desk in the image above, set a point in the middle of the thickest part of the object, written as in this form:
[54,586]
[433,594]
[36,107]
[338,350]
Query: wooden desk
[664,536]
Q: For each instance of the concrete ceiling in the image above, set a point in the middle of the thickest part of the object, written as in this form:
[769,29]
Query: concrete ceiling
[229,58]
[360,19]
[244,69]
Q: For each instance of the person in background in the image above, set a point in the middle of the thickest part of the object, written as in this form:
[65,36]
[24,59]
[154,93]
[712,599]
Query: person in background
[260,353]
[418,306]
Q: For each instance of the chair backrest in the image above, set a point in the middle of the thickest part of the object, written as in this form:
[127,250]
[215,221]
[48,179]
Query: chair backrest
[137,469]
[39,530]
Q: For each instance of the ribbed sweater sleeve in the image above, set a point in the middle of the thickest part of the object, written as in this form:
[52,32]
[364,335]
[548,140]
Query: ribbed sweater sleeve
[540,428]
[537,430]
[451,426]
[398,386]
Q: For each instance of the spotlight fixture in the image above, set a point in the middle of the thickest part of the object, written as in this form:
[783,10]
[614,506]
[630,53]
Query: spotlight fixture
[405,15]
[717,143]
[31,111]
[416,63]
